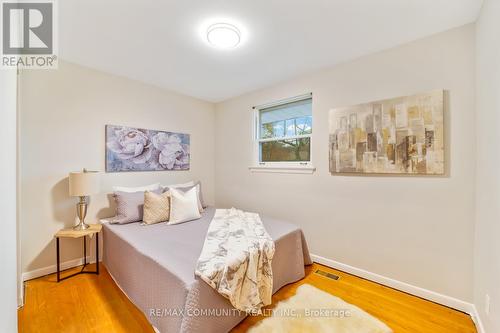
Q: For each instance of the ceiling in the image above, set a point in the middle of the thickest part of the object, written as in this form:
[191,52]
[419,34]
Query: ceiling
[159,41]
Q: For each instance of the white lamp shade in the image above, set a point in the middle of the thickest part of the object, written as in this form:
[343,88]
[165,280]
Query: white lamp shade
[82,184]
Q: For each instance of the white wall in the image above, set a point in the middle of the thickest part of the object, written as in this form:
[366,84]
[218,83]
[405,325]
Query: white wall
[417,230]
[63,117]
[487,249]
[8,172]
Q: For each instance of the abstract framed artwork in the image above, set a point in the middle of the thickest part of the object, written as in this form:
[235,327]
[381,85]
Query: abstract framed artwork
[136,149]
[403,135]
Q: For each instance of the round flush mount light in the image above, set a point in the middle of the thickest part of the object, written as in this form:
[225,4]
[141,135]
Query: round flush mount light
[223,35]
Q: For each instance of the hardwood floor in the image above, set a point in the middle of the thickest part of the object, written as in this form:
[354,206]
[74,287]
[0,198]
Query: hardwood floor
[402,312]
[90,303]
[81,304]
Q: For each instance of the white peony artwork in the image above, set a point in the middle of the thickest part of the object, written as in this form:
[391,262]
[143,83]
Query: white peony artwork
[136,149]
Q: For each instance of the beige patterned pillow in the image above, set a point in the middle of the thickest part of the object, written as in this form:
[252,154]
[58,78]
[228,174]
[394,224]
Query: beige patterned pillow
[156,207]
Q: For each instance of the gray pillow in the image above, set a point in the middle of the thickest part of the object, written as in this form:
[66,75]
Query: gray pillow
[129,206]
[187,188]
[201,195]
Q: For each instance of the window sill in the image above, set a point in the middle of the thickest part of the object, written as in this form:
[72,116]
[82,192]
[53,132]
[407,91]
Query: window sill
[309,169]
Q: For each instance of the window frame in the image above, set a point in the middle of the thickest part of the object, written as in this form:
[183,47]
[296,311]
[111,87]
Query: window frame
[285,166]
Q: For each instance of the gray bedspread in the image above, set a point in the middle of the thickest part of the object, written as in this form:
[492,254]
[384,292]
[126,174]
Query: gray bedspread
[154,265]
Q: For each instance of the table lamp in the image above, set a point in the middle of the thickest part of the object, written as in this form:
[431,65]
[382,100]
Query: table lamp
[82,184]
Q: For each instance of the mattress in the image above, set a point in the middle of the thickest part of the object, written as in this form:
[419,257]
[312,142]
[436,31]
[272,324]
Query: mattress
[154,265]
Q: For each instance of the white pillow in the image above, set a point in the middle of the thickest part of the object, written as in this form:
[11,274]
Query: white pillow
[190,183]
[183,206]
[152,187]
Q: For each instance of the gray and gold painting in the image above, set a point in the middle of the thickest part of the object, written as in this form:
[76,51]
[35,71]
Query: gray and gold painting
[401,135]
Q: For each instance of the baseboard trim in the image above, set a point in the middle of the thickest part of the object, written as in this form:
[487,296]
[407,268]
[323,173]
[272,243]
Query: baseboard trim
[402,286]
[20,298]
[477,320]
[53,268]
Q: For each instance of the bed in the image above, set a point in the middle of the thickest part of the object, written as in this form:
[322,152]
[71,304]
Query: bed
[154,266]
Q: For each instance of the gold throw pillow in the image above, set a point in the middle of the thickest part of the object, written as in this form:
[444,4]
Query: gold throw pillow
[156,207]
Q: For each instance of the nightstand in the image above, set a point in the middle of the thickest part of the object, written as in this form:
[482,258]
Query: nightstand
[70,233]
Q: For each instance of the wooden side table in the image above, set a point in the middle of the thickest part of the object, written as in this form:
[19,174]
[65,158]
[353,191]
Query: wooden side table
[70,233]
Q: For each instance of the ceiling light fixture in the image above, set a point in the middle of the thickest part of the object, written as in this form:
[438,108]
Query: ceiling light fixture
[223,35]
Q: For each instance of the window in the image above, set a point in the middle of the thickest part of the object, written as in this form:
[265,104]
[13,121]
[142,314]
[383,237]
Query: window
[283,133]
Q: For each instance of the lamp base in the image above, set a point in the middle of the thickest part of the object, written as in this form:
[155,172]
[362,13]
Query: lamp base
[81,226]
[81,210]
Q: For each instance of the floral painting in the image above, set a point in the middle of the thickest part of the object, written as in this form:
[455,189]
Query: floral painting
[136,149]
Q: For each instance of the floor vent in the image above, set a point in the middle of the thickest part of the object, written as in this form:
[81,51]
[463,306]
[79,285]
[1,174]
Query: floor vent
[328,275]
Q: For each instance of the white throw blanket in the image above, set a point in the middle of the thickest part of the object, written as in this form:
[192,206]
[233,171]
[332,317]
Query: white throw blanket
[236,259]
